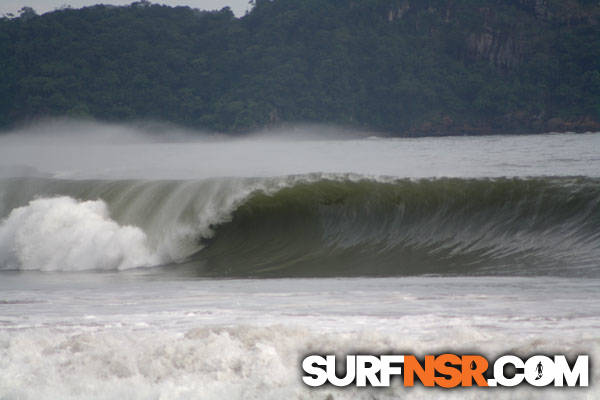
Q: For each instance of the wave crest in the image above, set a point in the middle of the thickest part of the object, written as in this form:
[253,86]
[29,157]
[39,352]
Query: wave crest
[311,225]
[441,226]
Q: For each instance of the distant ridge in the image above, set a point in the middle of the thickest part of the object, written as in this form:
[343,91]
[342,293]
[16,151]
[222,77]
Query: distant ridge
[407,67]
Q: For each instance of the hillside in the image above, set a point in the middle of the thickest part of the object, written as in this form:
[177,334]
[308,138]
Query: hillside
[406,67]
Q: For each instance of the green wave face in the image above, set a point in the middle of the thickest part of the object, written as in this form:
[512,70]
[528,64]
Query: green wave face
[446,226]
[351,226]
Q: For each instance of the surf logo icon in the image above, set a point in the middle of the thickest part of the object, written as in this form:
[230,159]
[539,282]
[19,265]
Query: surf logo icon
[539,369]
[446,370]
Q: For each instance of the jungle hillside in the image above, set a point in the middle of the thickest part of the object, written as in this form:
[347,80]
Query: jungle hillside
[404,67]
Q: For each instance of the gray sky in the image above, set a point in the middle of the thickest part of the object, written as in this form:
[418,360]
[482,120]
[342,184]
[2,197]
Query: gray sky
[239,7]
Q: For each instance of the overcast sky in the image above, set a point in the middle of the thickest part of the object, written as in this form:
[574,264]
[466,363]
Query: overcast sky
[239,7]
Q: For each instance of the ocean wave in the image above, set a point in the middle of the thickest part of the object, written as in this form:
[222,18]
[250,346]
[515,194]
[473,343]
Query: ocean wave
[308,225]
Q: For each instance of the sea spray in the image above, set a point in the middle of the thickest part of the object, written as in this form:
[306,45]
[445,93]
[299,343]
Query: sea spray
[63,234]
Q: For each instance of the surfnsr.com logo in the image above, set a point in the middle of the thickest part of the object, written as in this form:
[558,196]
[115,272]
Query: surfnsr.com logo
[447,370]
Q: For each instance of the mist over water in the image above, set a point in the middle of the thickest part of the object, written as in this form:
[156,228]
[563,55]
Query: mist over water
[80,150]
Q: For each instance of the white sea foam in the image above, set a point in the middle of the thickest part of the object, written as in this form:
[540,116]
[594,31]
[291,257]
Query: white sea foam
[244,362]
[63,234]
[71,337]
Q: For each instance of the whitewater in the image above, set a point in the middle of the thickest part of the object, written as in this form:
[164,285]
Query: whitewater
[141,262]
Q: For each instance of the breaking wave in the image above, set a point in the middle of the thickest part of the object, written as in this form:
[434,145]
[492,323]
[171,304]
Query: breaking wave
[63,234]
[309,225]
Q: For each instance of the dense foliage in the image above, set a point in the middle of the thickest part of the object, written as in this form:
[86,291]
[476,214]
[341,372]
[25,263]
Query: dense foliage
[402,66]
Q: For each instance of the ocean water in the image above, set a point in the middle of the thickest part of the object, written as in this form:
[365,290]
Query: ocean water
[140,265]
